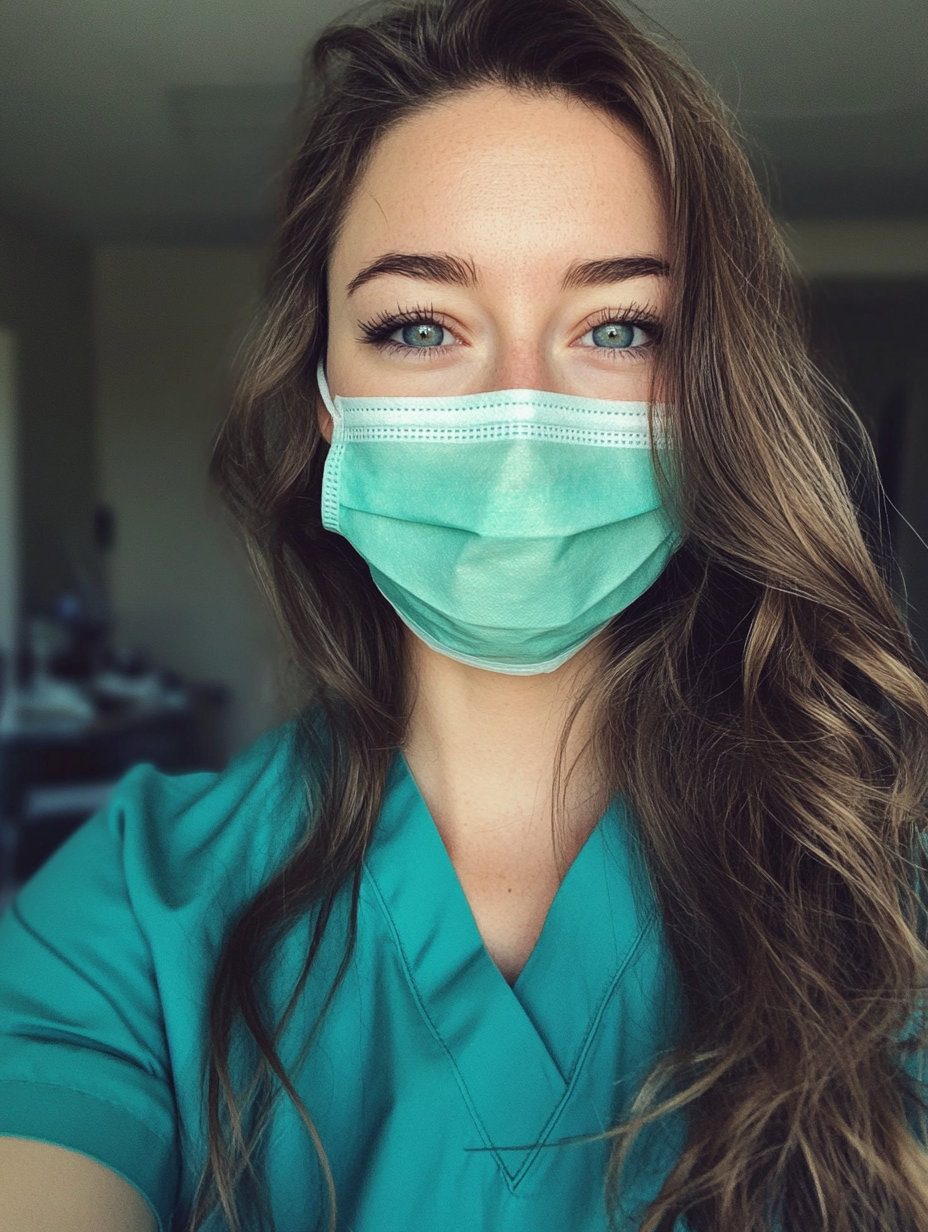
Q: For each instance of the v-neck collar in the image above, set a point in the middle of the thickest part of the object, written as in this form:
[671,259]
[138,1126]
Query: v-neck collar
[515,1050]
[599,913]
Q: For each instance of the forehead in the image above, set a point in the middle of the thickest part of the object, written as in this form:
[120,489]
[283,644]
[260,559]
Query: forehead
[504,178]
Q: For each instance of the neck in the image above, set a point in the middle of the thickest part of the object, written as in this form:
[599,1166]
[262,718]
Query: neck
[483,748]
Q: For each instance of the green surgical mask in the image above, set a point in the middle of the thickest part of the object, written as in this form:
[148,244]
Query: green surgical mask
[505,528]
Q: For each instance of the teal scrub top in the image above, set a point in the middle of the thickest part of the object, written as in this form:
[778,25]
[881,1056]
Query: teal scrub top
[446,1100]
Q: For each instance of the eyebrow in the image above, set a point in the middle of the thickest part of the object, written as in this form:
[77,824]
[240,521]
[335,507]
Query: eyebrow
[614,269]
[436,267]
[442,267]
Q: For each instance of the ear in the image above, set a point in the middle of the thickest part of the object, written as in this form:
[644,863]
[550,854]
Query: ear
[326,424]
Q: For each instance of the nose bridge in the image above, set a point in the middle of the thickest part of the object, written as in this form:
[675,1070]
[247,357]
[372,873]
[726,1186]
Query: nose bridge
[520,305]
[522,366]
[521,371]
[521,358]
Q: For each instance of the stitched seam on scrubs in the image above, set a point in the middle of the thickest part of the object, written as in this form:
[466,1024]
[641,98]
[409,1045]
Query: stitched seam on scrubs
[595,1019]
[420,1002]
[159,1074]
[101,1099]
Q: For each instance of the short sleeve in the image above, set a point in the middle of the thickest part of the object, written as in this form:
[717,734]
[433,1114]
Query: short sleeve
[83,1053]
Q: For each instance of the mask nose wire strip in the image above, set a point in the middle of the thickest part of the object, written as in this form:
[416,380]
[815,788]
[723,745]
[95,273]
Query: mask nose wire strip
[324,390]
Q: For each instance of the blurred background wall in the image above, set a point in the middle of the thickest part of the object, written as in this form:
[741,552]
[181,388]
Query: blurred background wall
[46,278]
[868,324]
[168,320]
[141,147]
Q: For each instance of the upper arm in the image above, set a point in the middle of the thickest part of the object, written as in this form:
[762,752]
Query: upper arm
[84,1061]
[105,958]
[46,1188]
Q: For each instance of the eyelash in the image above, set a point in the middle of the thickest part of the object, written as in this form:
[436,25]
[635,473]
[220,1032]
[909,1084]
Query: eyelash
[632,314]
[377,331]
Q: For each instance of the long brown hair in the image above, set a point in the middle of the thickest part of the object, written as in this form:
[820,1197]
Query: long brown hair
[764,711]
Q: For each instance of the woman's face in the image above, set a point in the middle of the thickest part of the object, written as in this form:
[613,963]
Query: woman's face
[499,240]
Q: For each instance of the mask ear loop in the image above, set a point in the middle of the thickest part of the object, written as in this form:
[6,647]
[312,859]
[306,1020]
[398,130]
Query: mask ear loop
[326,395]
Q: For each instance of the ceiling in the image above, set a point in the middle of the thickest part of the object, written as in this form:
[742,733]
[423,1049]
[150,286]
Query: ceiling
[164,119]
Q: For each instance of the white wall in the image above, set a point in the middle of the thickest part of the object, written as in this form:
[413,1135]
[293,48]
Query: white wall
[168,320]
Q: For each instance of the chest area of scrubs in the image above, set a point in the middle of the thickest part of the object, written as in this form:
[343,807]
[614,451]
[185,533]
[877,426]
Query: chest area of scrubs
[448,1101]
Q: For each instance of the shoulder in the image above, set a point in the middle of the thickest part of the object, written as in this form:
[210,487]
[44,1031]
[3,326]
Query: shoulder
[106,954]
[183,819]
[170,841]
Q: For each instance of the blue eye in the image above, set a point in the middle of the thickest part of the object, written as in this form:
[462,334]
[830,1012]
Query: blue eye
[633,336]
[423,334]
[614,334]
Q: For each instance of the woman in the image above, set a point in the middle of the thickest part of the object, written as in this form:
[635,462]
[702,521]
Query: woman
[584,890]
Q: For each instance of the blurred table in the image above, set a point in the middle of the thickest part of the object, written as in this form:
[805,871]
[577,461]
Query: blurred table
[51,781]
